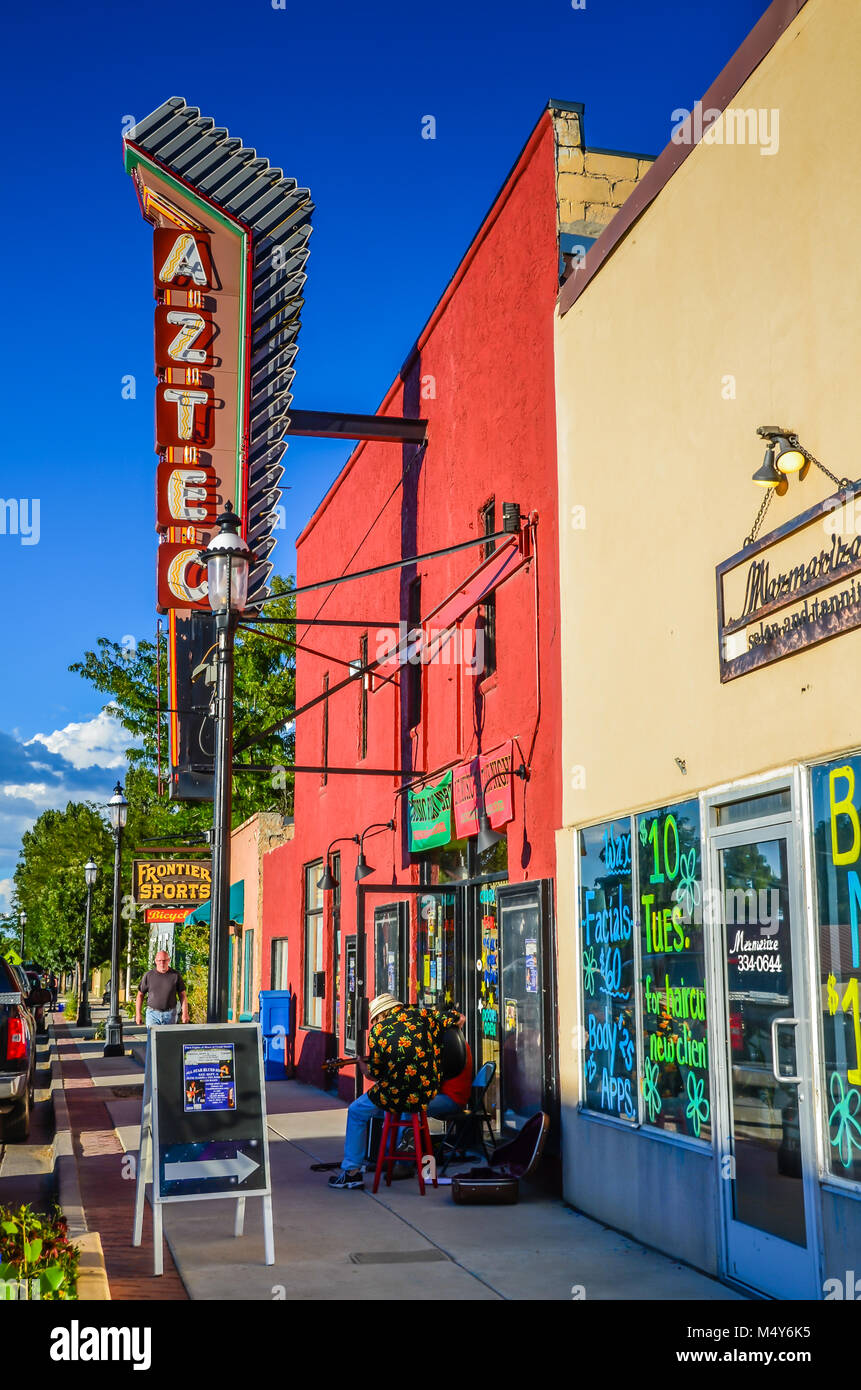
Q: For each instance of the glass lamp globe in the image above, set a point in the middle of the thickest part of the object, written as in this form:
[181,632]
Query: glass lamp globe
[227,560]
[118,809]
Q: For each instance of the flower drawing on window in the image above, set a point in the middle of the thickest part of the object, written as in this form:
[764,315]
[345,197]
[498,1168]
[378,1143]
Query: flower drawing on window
[590,970]
[688,894]
[846,1103]
[698,1107]
[651,1095]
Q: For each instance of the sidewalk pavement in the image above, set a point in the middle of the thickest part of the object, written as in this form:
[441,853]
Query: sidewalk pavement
[343,1244]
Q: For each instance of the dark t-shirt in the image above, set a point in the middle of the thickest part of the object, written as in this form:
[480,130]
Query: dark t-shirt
[161,990]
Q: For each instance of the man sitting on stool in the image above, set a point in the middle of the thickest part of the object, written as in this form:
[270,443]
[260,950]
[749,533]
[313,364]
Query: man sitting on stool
[404,1061]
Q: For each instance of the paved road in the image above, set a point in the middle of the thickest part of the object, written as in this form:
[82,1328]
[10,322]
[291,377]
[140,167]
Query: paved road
[26,1168]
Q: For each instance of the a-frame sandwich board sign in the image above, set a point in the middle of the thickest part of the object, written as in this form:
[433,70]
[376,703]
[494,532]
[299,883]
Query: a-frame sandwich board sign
[203,1124]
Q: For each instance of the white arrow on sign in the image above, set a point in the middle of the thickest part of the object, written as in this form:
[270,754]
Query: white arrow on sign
[238,1167]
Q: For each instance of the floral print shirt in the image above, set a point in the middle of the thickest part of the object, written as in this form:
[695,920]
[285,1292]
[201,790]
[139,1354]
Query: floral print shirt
[404,1052]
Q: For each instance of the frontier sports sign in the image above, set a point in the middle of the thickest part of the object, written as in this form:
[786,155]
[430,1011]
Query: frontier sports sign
[171,882]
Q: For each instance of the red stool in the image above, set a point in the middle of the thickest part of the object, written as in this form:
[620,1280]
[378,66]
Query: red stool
[389,1155]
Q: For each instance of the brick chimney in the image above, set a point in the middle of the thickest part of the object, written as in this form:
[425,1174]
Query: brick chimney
[591,184]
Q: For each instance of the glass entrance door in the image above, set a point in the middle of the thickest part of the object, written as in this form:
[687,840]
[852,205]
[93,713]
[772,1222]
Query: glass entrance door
[521,1004]
[767,1123]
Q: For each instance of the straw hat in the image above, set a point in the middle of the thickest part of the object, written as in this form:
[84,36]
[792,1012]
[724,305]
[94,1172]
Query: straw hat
[383,1004]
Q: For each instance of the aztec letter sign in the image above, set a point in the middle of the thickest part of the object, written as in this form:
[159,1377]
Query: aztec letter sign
[229,246]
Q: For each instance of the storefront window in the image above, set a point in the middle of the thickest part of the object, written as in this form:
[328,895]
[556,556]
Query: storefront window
[436,950]
[279,963]
[489,986]
[447,864]
[837,851]
[314,977]
[607,961]
[248,972]
[336,944]
[391,943]
[675,1082]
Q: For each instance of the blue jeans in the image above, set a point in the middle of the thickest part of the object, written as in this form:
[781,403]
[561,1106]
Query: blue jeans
[160,1016]
[440,1108]
[362,1111]
[359,1115]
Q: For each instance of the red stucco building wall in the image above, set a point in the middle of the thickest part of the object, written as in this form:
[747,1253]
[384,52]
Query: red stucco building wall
[482,375]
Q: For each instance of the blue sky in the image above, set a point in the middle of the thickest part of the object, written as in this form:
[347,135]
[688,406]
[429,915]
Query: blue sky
[335,95]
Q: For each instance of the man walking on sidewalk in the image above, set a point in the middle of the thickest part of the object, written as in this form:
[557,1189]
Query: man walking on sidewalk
[161,987]
[404,1060]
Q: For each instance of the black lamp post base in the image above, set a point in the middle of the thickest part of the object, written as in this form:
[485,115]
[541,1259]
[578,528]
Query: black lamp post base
[83,1019]
[114,1039]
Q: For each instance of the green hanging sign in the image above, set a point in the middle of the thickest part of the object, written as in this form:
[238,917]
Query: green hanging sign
[430,814]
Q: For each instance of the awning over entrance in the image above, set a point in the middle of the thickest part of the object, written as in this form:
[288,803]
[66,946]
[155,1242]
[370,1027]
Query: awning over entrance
[237,905]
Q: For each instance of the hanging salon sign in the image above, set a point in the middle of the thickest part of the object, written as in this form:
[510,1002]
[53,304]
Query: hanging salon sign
[486,779]
[795,587]
[430,814]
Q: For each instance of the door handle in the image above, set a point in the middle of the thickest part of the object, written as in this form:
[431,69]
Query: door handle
[775,1024]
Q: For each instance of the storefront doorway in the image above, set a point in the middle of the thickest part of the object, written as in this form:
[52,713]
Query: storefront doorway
[764,1094]
[481,946]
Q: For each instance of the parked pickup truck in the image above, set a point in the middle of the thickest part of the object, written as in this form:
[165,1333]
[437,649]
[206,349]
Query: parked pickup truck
[17,1056]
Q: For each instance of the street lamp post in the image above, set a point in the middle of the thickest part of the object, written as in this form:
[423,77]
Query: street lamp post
[118,810]
[84,1020]
[22,922]
[227,560]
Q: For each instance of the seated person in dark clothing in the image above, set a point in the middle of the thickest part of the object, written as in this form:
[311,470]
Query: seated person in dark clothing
[453,1095]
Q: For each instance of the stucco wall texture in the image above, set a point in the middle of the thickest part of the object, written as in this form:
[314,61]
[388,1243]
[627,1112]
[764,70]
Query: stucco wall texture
[730,304]
[482,374]
[730,273]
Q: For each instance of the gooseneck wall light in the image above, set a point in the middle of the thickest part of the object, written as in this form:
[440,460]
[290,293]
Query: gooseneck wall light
[327,881]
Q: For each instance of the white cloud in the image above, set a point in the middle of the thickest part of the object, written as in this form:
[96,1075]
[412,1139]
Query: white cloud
[36,792]
[76,763]
[6,886]
[99,742]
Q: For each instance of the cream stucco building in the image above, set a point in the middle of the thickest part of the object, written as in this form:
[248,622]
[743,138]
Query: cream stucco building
[707,885]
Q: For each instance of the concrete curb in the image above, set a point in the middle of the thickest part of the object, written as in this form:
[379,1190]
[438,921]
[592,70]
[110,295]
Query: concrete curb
[92,1274]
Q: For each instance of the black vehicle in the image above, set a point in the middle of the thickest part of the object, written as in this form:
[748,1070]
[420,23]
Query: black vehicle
[17,1056]
[38,1000]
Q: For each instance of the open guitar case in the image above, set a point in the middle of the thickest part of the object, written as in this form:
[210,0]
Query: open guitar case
[499,1183]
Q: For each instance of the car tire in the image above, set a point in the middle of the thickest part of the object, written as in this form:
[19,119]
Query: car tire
[16,1127]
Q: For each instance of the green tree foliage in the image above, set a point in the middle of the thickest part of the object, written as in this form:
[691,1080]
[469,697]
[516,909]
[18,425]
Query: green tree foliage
[50,886]
[49,878]
[264,691]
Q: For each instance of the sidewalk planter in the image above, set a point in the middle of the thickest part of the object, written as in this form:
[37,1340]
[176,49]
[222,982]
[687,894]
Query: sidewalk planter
[37,1259]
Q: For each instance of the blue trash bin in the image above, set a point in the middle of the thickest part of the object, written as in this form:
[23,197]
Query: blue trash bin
[276,1025]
